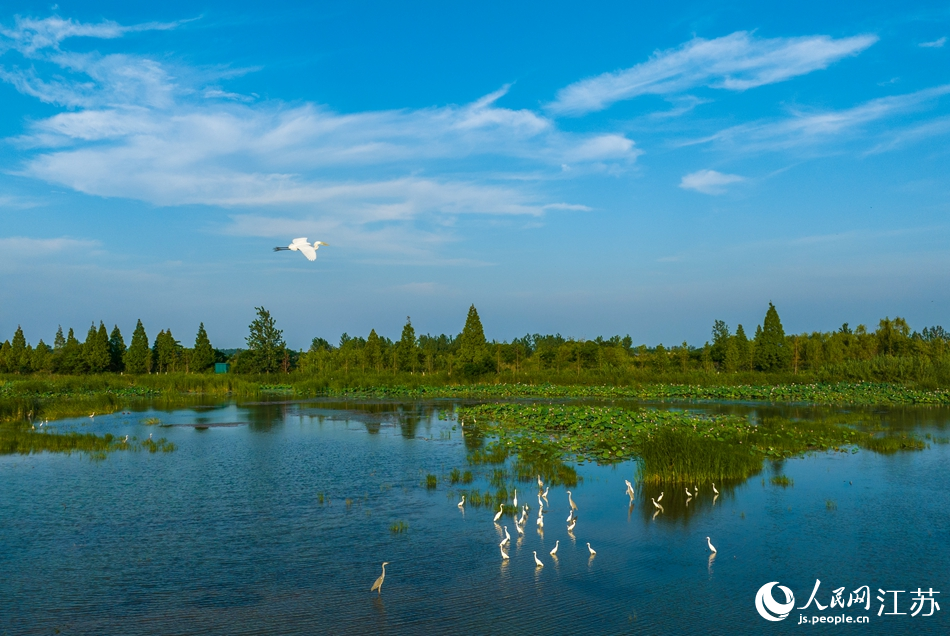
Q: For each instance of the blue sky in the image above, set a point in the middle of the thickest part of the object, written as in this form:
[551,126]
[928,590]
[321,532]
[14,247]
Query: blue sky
[613,168]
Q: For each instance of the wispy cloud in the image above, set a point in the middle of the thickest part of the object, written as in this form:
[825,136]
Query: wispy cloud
[935,44]
[25,247]
[31,35]
[734,62]
[709,181]
[814,128]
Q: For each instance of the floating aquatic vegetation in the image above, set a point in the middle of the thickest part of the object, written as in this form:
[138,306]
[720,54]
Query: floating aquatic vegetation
[431,481]
[782,480]
[399,527]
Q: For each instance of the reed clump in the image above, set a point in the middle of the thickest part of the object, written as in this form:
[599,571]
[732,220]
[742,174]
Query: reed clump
[782,480]
[399,527]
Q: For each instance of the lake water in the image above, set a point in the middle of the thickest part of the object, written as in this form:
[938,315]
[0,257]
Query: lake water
[278,521]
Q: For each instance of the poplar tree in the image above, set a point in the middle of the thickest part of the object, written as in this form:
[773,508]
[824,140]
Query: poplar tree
[138,357]
[59,341]
[116,350]
[372,352]
[720,334]
[265,343]
[202,358]
[771,351]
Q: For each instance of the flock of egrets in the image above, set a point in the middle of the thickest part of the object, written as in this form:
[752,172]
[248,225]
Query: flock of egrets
[520,522]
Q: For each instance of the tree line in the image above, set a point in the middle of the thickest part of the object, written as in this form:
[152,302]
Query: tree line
[891,352]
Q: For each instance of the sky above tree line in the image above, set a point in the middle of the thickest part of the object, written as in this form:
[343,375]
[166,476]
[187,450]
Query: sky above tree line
[610,168]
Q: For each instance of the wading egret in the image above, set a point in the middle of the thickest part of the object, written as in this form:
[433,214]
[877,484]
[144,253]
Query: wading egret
[540,483]
[462,503]
[378,585]
[570,527]
[92,415]
[660,498]
[545,493]
[712,548]
[593,552]
[656,505]
[537,561]
[301,245]
[571,501]
[714,489]
[688,493]
[540,503]
[519,529]
[507,536]
[498,514]
[554,551]
[504,555]
[515,502]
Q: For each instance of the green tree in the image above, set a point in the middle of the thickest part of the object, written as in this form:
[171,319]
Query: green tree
[661,360]
[265,343]
[743,355]
[473,358]
[372,352]
[165,352]
[683,356]
[72,359]
[59,341]
[202,358]
[95,350]
[772,353]
[407,348]
[730,362]
[138,357]
[42,360]
[17,360]
[720,334]
[116,350]
[5,356]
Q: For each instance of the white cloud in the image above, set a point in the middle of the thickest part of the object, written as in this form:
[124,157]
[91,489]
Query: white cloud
[812,128]
[733,62]
[709,181]
[935,44]
[30,35]
[20,247]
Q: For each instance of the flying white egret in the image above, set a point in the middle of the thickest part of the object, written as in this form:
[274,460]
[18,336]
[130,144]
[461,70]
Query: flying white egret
[378,585]
[537,561]
[712,548]
[515,502]
[660,498]
[593,552]
[571,500]
[498,514]
[714,489]
[301,245]
[462,503]
[554,551]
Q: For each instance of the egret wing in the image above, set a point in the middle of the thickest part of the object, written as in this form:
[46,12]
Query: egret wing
[300,241]
[308,251]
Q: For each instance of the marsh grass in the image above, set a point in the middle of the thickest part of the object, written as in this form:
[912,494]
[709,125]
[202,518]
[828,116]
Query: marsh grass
[782,480]
[889,444]
[399,527]
[831,504]
[21,439]
[455,476]
[431,481]
[151,421]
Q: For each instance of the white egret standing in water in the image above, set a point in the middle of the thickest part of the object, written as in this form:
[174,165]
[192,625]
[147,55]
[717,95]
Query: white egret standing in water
[545,493]
[593,552]
[515,502]
[688,493]
[378,585]
[571,500]
[714,489]
[462,503]
[537,561]
[554,551]
[660,498]
[498,514]
[504,555]
[712,548]
[507,536]
[301,245]
[540,483]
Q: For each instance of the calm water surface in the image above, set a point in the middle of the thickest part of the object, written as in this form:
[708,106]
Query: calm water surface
[228,534]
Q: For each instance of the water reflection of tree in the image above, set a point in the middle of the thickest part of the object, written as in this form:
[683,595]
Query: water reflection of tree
[264,417]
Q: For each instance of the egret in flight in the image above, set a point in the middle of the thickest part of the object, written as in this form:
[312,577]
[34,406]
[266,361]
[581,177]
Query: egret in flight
[712,548]
[301,245]
[378,585]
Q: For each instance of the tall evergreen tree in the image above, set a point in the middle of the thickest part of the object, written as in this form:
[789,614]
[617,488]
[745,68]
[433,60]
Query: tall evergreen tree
[372,352]
[60,340]
[17,360]
[72,359]
[96,349]
[202,358]
[138,357]
[5,356]
[743,357]
[730,361]
[116,351]
[407,349]
[720,334]
[265,343]
[42,358]
[771,351]
[473,358]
